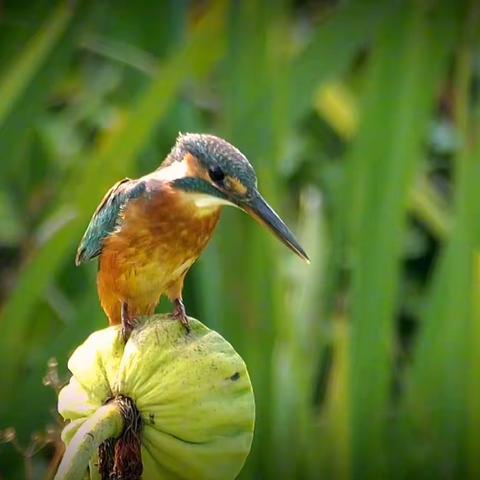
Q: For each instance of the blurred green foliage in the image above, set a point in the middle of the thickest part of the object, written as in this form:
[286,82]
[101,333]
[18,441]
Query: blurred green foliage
[362,121]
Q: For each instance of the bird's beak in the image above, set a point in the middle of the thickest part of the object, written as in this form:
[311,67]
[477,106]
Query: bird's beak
[261,211]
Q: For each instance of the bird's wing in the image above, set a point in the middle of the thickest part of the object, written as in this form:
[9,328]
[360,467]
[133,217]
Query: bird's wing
[107,217]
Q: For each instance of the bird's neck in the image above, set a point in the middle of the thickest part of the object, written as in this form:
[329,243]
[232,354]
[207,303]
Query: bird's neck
[203,204]
[173,171]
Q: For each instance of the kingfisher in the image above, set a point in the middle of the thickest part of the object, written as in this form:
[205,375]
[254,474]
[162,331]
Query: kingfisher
[147,232]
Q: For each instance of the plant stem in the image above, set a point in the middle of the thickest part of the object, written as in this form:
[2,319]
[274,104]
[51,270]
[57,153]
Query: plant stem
[106,422]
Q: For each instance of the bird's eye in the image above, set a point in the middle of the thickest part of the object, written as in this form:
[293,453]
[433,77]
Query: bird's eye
[216,174]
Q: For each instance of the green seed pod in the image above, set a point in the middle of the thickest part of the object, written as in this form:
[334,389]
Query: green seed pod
[192,391]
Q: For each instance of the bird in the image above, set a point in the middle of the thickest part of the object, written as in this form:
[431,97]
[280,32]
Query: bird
[148,232]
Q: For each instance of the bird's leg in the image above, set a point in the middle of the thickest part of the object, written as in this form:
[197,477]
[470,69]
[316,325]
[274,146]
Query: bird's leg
[128,323]
[180,314]
[174,293]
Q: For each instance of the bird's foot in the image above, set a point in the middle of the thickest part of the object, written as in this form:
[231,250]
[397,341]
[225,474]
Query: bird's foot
[126,331]
[180,314]
[128,323]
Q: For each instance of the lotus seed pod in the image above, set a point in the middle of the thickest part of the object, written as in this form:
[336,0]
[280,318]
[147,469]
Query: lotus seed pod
[192,390]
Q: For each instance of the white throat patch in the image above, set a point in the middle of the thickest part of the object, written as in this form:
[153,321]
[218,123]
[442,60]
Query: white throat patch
[204,201]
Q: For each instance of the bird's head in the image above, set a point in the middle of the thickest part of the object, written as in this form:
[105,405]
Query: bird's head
[216,173]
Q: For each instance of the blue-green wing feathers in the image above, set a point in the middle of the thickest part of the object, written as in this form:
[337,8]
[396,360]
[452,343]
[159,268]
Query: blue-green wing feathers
[107,217]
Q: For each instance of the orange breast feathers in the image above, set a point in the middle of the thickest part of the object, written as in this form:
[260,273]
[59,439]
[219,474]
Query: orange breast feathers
[159,238]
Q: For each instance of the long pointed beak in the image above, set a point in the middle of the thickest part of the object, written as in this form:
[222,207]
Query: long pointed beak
[261,211]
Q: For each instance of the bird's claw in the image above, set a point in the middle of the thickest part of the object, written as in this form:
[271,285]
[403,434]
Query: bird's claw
[180,314]
[128,323]
[125,332]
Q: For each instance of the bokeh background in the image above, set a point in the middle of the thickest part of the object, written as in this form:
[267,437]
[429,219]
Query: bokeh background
[362,121]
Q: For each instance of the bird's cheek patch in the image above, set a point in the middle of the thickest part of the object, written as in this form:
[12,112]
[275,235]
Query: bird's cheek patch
[194,167]
[236,186]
